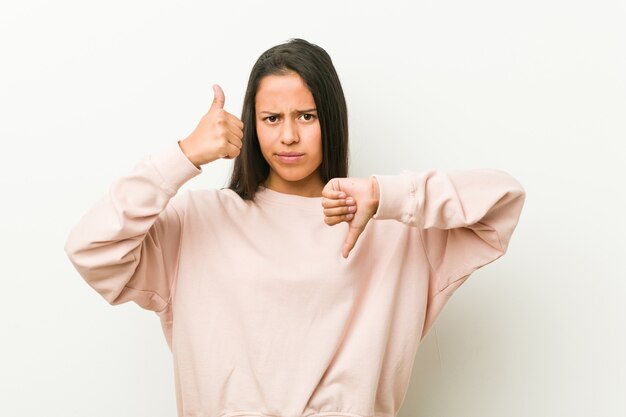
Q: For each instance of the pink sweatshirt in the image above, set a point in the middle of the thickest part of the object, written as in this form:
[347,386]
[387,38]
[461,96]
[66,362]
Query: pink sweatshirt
[263,315]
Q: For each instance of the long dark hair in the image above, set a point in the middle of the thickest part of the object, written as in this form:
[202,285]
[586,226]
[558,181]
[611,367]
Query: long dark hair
[315,67]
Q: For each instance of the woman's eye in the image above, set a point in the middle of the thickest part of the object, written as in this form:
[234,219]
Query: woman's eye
[271,119]
[307,116]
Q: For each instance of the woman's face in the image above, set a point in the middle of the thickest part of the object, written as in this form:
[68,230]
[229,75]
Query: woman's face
[289,135]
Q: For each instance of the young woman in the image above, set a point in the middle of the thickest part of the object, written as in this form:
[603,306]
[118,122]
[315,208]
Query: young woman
[268,310]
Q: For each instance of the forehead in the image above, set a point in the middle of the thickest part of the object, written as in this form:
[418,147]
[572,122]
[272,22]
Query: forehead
[283,90]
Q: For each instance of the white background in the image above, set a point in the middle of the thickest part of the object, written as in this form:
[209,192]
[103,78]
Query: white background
[537,88]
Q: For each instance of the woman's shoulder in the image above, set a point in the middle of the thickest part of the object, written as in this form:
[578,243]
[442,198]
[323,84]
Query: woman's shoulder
[217,206]
[216,198]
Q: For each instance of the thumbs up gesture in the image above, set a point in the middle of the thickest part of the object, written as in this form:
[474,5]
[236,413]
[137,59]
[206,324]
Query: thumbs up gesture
[219,134]
[353,200]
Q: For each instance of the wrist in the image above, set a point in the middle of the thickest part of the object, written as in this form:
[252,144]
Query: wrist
[184,146]
[375,193]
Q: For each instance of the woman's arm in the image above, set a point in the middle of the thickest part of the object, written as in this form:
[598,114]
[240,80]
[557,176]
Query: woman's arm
[127,245]
[466,217]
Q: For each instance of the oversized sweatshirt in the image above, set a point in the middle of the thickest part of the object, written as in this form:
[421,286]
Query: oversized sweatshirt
[263,315]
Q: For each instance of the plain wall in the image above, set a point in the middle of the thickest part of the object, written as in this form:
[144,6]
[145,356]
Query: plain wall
[537,88]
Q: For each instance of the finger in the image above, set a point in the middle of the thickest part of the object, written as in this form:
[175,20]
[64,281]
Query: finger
[338,211]
[329,203]
[332,188]
[218,97]
[235,131]
[230,152]
[332,193]
[234,139]
[333,220]
[351,238]
[235,120]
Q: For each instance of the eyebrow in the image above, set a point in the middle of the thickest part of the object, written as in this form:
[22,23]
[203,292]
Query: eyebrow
[295,111]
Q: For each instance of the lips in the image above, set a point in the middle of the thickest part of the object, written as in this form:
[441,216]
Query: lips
[289,157]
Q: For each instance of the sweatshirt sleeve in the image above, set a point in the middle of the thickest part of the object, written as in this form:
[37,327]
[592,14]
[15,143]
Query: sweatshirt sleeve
[126,246]
[465,217]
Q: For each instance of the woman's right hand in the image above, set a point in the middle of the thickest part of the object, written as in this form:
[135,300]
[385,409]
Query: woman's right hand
[218,135]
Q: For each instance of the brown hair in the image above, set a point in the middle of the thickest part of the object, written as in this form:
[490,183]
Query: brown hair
[315,67]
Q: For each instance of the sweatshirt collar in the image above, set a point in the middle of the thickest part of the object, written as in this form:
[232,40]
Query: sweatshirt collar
[309,204]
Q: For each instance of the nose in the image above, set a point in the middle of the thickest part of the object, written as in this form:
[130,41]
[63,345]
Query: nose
[289,133]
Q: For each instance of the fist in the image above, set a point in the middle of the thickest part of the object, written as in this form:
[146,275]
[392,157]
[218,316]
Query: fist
[351,200]
[219,134]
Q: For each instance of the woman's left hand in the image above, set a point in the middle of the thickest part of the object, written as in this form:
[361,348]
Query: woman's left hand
[352,200]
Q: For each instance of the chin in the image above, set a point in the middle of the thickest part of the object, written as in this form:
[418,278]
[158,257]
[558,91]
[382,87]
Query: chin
[294,178]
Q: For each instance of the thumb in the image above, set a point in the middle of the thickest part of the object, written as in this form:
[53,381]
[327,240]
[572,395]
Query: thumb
[353,235]
[218,97]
